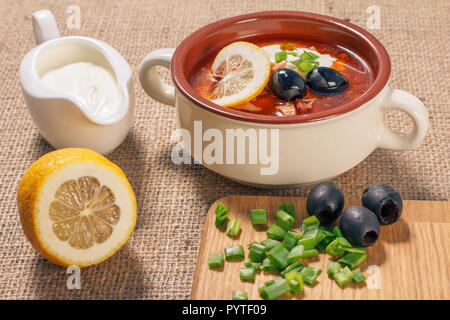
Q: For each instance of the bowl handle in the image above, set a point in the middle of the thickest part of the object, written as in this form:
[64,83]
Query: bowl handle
[411,105]
[44,26]
[151,81]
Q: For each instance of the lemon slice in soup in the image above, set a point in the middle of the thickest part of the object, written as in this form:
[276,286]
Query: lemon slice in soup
[242,70]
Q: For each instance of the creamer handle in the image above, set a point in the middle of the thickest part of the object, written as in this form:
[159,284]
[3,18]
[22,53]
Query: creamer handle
[411,105]
[44,26]
[151,81]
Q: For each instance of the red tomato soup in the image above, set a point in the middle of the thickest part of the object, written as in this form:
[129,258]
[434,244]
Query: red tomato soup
[357,72]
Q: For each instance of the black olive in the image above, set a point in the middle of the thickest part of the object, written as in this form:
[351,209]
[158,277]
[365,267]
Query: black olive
[287,84]
[325,201]
[384,201]
[323,80]
[360,226]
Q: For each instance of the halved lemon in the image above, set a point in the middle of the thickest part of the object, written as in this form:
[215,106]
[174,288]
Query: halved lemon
[76,207]
[242,70]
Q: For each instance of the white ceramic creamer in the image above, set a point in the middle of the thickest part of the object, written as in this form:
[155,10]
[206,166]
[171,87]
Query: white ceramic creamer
[78,89]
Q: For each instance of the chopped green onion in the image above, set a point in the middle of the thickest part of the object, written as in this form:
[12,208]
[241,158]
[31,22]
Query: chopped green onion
[220,219]
[305,65]
[295,266]
[337,246]
[270,243]
[258,217]
[309,253]
[306,62]
[256,252]
[297,286]
[310,221]
[306,55]
[358,276]
[343,277]
[251,243]
[278,256]
[280,56]
[233,228]
[308,243]
[320,236]
[283,256]
[333,267]
[310,237]
[274,289]
[267,265]
[247,274]
[337,231]
[294,286]
[322,245]
[309,229]
[215,260]
[254,265]
[290,240]
[312,55]
[235,252]
[310,275]
[327,232]
[287,207]
[295,254]
[221,214]
[357,250]
[276,232]
[327,236]
[352,259]
[284,220]
[240,295]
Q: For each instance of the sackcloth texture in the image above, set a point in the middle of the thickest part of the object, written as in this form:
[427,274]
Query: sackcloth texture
[159,259]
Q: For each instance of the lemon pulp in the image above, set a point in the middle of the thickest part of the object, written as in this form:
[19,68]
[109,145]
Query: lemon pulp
[242,70]
[76,207]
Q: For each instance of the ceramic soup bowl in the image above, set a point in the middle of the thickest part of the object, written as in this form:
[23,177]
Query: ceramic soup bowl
[271,151]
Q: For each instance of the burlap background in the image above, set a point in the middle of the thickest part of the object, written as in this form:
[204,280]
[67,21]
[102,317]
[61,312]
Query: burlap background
[158,261]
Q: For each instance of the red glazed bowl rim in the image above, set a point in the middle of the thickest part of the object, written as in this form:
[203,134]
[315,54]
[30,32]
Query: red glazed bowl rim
[183,85]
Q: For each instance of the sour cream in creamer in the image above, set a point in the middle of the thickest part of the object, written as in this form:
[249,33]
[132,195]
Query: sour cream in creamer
[89,83]
[325,60]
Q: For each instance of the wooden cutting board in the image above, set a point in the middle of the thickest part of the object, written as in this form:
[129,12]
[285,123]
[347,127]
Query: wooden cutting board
[409,261]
